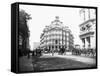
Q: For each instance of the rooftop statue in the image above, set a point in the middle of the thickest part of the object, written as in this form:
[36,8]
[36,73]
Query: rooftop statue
[56,21]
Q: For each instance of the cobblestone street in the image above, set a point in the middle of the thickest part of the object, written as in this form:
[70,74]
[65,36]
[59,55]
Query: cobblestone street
[82,59]
[49,62]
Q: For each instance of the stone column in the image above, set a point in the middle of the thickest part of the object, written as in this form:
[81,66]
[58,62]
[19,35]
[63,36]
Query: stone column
[86,43]
[88,40]
[83,40]
[93,42]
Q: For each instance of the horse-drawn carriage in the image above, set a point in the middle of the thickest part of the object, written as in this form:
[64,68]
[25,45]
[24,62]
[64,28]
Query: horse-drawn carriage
[76,51]
[86,52]
[37,52]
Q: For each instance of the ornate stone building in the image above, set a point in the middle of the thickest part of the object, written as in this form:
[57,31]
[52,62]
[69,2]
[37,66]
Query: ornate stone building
[88,29]
[56,36]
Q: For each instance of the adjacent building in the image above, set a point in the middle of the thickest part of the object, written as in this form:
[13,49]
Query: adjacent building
[77,46]
[88,29]
[36,45]
[56,36]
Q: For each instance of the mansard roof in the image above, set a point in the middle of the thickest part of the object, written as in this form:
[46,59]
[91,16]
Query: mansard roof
[56,24]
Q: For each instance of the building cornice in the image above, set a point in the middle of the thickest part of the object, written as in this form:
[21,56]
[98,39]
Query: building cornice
[90,20]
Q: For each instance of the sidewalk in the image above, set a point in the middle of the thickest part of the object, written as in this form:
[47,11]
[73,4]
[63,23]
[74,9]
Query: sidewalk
[25,64]
[83,59]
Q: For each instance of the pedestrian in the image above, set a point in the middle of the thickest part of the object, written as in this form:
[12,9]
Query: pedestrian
[35,59]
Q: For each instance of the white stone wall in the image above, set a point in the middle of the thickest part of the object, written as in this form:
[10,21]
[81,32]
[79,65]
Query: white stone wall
[53,33]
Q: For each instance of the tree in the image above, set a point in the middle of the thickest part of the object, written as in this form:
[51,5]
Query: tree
[23,17]
[23,32]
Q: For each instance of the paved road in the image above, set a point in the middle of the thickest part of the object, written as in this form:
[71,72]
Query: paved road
[83,59]
[49,62]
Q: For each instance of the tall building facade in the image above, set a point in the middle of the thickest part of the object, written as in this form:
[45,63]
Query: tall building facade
[88,29]
[56,36]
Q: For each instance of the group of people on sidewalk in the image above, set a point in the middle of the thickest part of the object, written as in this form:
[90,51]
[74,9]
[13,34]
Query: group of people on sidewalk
[39,52]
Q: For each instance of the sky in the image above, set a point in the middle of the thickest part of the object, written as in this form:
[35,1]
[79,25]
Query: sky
[43,16]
